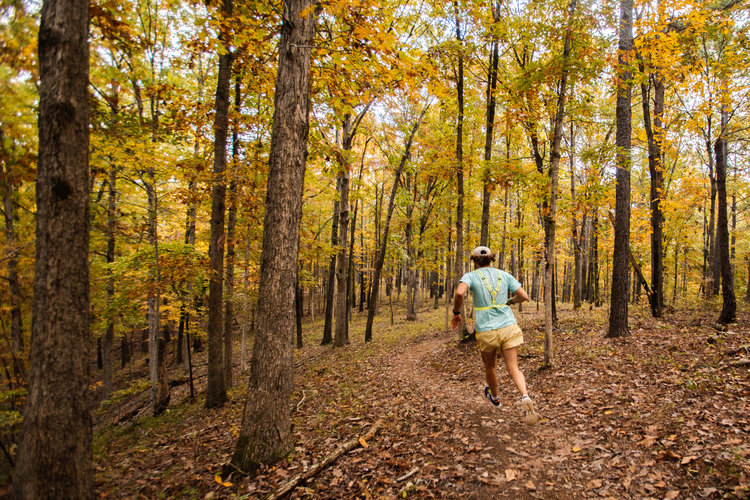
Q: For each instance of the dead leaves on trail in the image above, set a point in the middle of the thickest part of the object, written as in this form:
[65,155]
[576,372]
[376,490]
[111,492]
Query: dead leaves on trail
[661,414]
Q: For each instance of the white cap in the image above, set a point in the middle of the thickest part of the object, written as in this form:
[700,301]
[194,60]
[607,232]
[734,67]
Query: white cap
[481,252]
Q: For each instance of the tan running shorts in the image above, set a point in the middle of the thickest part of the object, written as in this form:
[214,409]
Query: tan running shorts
[500,339]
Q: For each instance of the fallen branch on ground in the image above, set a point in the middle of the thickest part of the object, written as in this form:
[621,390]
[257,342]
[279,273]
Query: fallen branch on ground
[743,348]
[315,469]
[408,475]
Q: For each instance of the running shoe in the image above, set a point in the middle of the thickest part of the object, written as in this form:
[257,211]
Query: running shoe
[488,395]
[529,414]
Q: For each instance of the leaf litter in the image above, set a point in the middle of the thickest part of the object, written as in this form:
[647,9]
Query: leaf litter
[663,413]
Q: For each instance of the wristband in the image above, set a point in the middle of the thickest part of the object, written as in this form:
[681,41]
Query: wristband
[456,313]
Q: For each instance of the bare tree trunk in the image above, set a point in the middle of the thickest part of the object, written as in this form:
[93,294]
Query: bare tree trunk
[246,303]
[550,217]
[54,453]
[578,235]
[216,393]
[729,302]
[108,339]
[411,278]
[713,277]
[266,422]
[654,135]
[159,387]
[489,126]
[458,270]
[328,324]
[16,321]
[351,292]
[341,336]
[618,314]
[231,241]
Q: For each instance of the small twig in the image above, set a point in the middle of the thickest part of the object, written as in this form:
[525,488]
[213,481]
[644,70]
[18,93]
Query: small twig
[312,471]
[304,397]
[408,475]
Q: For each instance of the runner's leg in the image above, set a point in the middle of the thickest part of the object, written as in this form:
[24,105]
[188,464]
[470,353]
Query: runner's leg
[489,370]
[510,356]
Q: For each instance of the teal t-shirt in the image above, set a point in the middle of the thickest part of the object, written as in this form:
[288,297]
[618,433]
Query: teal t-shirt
[495,317]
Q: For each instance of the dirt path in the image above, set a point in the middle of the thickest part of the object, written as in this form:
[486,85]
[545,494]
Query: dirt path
[504,457]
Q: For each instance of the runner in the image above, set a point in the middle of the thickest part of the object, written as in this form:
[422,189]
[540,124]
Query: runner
[496,329]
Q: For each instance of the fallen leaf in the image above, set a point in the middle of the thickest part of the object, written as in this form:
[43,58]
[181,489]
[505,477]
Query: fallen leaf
[687,460]
[668,454]
[511,474]
[227,484]
[363,443]
[594,484]
[530,486]
[576,449]
[648,441]
[672,494]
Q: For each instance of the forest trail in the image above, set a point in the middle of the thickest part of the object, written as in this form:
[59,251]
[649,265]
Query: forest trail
[660,414]
[500,455]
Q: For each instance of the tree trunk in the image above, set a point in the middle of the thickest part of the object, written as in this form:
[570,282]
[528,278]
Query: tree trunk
[108,339]
[16,322]
[246,302]
[618,314]
[655,138]
[298,311]
[351,293]
[159,386]
[411,311]
[341,336]
[550,216]
[729,302]
[713,276]
[54,453]
[458,269]
[266,422]
[231,241]
[578,235]
[328,324]
[375,286]
[216,393]
[489,127]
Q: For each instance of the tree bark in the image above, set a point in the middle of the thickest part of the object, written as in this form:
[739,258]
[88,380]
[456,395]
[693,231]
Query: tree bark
[341,335]
[618,314]
[458,264]
[489,127]
[654,136]
[729,302]
[16,322]
[266,422]
[328,322]
[231,241]
[216,393]
[108,339]
[54,454]
[550,215]
[411,296]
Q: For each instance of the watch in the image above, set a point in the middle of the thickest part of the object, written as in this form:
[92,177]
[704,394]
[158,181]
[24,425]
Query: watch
[456,313]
